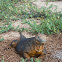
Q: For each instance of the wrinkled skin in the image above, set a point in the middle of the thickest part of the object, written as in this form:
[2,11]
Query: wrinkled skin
[29,47]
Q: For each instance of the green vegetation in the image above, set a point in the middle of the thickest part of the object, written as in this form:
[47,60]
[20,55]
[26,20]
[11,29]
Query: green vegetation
[3,59]
[2,39]
[50,21]
[32,60]
[36,60]
[5,28]
[7,9]
[49,25]
[24,60]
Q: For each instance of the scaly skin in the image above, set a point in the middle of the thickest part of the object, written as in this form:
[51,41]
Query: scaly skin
[29,47]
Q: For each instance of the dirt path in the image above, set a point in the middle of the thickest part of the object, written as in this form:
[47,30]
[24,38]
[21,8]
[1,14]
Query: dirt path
[41,3]
[54,48]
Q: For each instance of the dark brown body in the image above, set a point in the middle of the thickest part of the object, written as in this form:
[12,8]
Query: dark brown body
[29,47]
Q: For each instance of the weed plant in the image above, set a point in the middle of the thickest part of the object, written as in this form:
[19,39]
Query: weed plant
[3,59]
[2,39]
[5,28]
[24,60]
[51,21]
[31,60]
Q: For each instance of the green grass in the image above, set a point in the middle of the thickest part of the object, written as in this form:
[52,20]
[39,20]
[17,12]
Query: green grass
[24,60]
[2,39]
[5,28]
[32,60]
[7,9]
[50,22]
[3,59]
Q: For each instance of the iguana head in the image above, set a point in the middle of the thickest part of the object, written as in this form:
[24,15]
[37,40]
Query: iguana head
[14,43]
[40,39]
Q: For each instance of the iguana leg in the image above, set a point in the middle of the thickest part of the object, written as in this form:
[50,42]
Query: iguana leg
[26,56]
[42,55]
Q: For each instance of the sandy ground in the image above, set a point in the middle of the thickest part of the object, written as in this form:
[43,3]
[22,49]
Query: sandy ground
[57,4]
[53,47]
